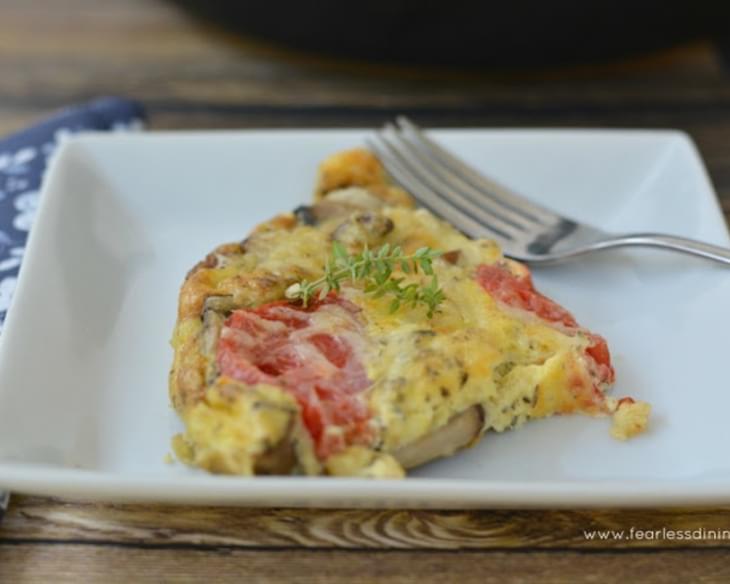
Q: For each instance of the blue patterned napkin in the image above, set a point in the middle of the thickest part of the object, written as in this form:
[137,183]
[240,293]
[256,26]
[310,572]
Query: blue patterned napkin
[23,160]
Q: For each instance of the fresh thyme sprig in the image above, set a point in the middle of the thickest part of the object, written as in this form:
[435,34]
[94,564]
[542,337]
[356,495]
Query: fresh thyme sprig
[375,269]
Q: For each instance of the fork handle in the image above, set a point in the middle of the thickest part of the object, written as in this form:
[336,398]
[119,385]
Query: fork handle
[672,242]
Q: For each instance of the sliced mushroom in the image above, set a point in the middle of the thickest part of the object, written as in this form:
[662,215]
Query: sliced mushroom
[305,215]
[339,203]
[212,326]
[293,453]
[222,304]
[460,431]
[356,197]
[215,309]
[366,228]
[280,459]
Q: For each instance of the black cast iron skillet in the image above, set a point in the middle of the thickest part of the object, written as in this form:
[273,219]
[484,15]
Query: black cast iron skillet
[499,34]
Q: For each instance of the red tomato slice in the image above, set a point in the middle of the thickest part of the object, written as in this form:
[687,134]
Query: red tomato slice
[517,292]
[520,293]
[311,353]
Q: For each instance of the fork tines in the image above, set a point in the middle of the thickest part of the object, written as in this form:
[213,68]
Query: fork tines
[450,188]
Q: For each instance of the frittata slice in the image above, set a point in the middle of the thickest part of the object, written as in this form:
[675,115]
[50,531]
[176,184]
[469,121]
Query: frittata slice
[346,385]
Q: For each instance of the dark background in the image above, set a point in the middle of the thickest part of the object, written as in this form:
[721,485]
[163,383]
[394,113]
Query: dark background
[475,33]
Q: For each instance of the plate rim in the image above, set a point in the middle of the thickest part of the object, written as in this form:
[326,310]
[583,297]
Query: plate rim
[344,492]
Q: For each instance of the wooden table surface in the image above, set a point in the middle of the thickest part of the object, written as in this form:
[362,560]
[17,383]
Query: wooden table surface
[58,52]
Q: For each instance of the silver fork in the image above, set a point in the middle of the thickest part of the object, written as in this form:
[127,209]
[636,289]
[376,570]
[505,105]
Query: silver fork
[480,207]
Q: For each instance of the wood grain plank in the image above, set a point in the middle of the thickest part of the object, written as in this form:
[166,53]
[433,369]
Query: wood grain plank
[109,564]
[38,519]
[216,82]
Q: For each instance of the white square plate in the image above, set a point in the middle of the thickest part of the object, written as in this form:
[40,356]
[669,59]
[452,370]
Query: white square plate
[84,355]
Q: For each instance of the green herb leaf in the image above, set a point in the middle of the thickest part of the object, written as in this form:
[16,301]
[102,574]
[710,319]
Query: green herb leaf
[375,270]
